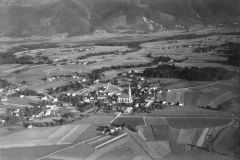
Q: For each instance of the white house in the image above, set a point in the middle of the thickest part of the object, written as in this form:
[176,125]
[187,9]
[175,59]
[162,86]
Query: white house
[128,110]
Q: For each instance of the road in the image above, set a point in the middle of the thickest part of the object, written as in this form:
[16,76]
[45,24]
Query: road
[51,70]
[197,117]
[16,105]
[14,69]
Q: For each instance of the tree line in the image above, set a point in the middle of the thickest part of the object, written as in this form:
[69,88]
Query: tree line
[97,73]
[188,73]
[4,83]
[133,49]
[9,57]
[26,92]
[75,86]
[204,49]
[232,49]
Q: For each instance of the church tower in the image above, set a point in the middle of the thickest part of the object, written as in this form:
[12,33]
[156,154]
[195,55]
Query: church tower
[130,94]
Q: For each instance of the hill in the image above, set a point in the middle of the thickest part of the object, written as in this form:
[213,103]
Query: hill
[75,17]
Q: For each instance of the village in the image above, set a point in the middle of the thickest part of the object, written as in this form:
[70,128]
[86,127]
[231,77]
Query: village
[127,93]
[122,80]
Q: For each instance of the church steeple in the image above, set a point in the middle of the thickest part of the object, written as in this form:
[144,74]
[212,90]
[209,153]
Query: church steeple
[130,94]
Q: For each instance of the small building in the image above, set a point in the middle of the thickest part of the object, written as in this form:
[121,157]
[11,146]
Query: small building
[102,97]
[128,110]
[30,126]
[96,81]
[149,103]
[181,104]
[55,100]
[84,80]
[45,98]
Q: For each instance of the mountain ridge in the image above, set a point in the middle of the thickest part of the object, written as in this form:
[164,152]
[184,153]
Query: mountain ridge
[78,17]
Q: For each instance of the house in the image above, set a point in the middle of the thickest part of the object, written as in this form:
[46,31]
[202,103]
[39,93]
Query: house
[149,103]
[2,121]
[30,126]
[96,81]
[44,98]
[86,100]
[128,110]
[51,79]
[55,100]
[4,99]
[102,97]
[111,90]
[164,102]
[48,112]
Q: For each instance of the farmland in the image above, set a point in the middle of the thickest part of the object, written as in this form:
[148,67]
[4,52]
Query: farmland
[42,136]
[81,80]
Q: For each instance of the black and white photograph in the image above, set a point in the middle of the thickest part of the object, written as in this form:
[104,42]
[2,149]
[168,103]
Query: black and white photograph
[119,79]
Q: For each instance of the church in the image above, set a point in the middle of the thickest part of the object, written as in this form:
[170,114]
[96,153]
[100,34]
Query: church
[124,98]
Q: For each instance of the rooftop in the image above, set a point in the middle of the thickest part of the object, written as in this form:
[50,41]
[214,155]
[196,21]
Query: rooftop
[124,96]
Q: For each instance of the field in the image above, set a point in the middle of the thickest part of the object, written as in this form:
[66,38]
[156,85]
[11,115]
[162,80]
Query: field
[194,94]
[31,74]
[178,122]
[25,101]
[9,67]
[187,123]
[162,129]
[28,153]
[138,121]
[71,54]
[194,59]
[158,44]
[39,142]
[184,112]
[186,118]
[43,86]
[121,153]
[232,105]
[43,136]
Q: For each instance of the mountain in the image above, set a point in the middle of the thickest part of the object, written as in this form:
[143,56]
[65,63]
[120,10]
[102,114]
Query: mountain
[76,17]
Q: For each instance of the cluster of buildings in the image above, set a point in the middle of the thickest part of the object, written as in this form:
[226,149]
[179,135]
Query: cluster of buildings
[128,92]
[56,77]
[70,62]
[37,52]
[141,94]
[8,91]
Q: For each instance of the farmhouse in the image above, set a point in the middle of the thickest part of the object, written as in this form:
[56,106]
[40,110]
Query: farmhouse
[102,97]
